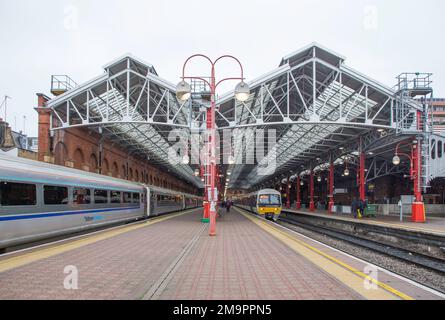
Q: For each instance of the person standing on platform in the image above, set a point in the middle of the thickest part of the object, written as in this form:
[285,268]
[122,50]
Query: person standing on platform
[228,205]
[361,208]
[354,207]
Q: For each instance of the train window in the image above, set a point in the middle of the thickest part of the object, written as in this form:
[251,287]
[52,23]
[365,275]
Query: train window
[81,196]
[17,194]
[55,195]
[115,196]
[127,197]
[100,196]
[135,197]
[275,199]
[263,199]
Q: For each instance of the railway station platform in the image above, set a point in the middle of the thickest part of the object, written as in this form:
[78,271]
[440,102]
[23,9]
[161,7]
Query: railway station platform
[433,225]
[172,257]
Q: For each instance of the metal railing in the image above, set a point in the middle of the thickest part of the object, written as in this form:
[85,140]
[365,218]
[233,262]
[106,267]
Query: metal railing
[61,84]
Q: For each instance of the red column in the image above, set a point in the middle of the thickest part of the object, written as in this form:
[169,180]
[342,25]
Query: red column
[206,204]
[311,192]
[331,187]
[287,194]
[418,208]
[361,177]
[298,205]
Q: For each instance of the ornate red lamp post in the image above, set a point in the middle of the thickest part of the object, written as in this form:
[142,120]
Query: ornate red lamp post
[183,93]
[418,207]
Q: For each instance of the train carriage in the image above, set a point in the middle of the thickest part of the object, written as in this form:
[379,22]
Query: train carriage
[266,202]
[40,200]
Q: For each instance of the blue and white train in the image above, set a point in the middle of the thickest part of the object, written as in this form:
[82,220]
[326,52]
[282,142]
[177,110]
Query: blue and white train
[40,200]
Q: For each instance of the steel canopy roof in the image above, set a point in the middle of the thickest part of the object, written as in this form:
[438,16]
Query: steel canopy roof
[312,99]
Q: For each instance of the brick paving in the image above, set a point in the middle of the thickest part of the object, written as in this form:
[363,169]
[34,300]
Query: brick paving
[121,267]
[245,262]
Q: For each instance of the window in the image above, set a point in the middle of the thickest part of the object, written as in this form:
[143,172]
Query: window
[275,199]
[115,196]
[263,199]
[269,199]
[433,149]
[135,197]
[17,194]
[81,196]
[55,195]
[127,197]
[439,149]
[100,196]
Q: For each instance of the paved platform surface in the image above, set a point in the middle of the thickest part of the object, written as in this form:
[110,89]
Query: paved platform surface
[434,225]
[174,258]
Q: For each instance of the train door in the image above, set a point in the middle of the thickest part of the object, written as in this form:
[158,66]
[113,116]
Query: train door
[147,201]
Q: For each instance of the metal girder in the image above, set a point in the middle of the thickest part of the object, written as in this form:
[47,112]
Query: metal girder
[314,102]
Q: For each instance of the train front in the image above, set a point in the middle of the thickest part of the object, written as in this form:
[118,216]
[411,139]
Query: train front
[269,205]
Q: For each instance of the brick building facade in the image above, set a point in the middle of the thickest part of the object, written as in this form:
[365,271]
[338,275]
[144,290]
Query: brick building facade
[79,148]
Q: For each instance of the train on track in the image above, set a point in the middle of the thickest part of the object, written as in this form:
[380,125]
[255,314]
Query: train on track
[40,200]
[266,202]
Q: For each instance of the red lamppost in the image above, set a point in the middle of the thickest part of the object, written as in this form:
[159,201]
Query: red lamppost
[183,93]
[418,208]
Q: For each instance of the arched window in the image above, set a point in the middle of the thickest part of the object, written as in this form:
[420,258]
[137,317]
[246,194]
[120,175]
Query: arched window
[60,154]
[78,159]
[130,174]
[105,167]
[433,149]
[93,163]
[115,170]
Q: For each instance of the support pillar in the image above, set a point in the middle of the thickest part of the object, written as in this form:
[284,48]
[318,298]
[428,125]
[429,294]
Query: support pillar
[418,208]
[287,194]
[311,192]
[298,204]
[361,177]
[44,145]
[206,215]
[331,188]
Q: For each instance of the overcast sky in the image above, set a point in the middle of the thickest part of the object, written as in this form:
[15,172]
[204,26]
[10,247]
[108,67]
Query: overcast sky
[39,38]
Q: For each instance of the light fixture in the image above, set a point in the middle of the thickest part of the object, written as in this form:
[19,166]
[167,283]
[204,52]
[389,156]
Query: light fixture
[183,91]
[396,160]
[229,173]
[319,178]
[370,153]
[242,91]
[231,159]
[380,130]
[346,172]
[301,183]
[341,148]
[227,180]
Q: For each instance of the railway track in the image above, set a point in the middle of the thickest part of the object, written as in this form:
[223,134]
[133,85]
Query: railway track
[418,259]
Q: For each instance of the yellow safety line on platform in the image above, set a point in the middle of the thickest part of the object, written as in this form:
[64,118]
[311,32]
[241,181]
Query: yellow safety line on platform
[26,258]
[331,265]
